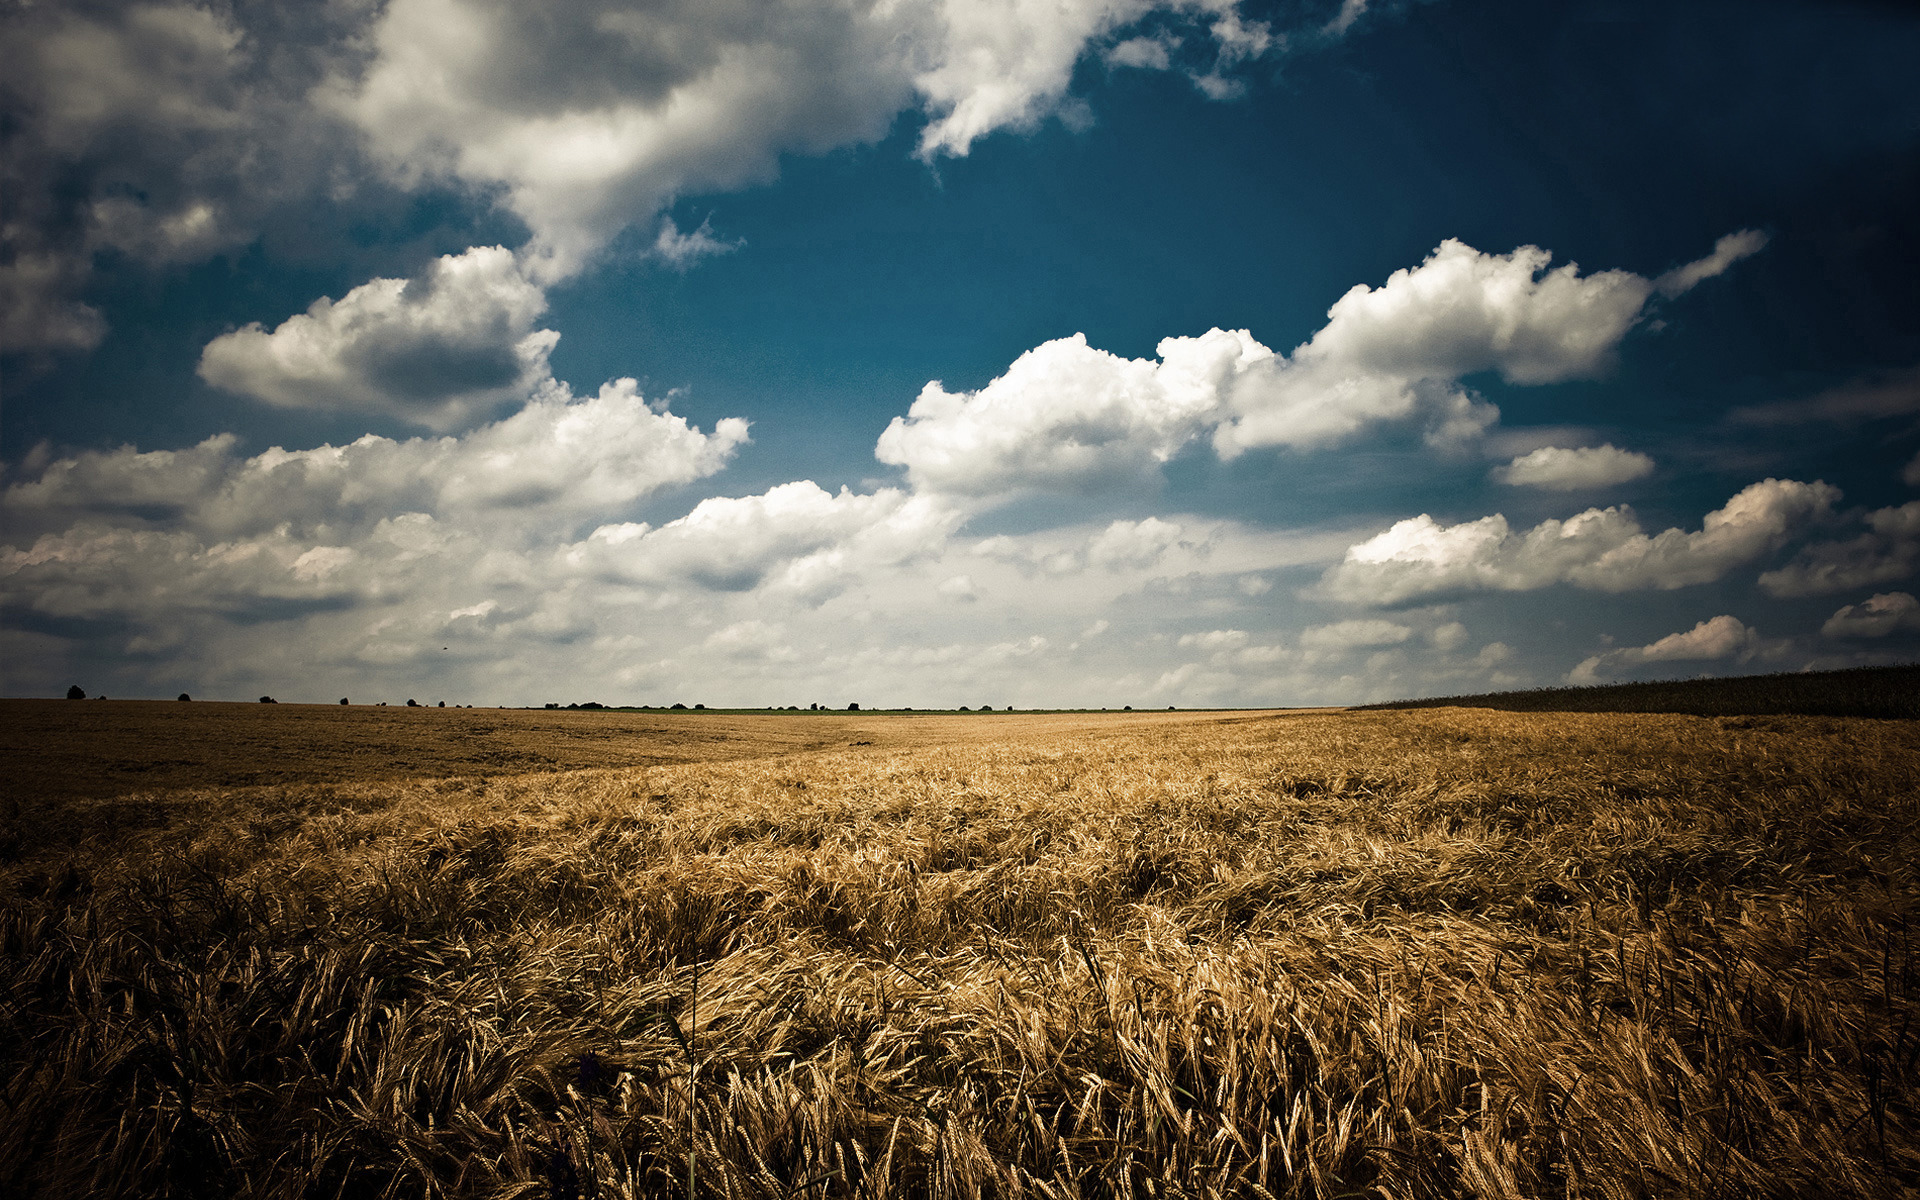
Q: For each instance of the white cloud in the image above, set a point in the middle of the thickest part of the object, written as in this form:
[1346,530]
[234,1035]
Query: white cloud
[798,537]
[586,117]
[681,250]
[1137,544]
[156,130]
[1875,617]
[1399,350]
[1215,639]
[1068,417]
[440,350]
[1565,470]
[958,587]
[553,462]
[1601,549]
[1152,53]
[1719,638]
[1890,550]
[1728,250]
[1350,635]
[1064,416]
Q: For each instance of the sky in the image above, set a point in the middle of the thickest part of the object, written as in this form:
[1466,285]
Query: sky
[1033,353]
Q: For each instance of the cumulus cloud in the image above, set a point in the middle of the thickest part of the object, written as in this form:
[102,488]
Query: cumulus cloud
[1889,550]
[1728,250]
[158,130]
[1600,549]
[1350,635]
[454,344]
[1877,616]
[1065,416]
[1068,417]
[544,467]
[1134,544]
[1565,470]
[586,117]
[1720,638]
[797,536]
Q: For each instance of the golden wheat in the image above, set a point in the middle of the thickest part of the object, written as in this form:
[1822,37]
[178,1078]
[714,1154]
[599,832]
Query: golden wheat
[1445,953]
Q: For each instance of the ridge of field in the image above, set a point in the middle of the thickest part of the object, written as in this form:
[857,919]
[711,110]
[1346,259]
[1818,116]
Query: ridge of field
[1887,692]
[104,748]
[1440,953]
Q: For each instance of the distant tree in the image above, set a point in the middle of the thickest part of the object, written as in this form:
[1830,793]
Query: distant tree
[853,708]
[679,706]
[1128,708]
[986,708]
[964,708]
[411,703]
[699,706]
[268,700]
[76,692]
[184,696]
[443,704]
[553,705]
[343,699]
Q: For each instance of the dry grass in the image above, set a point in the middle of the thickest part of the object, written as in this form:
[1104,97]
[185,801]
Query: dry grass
[1437,953]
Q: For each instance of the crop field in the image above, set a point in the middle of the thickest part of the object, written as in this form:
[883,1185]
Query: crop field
[1425,953]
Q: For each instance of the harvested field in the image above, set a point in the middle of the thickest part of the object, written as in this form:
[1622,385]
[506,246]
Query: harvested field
[1439,953]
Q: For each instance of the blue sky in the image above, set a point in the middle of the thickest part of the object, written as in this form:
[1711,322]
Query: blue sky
[1086,353]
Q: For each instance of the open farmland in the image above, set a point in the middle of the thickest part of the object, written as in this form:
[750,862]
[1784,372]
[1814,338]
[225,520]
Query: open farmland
[1442,952]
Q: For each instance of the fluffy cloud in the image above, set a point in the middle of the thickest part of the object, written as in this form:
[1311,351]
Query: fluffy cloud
[1564,470]
[168,131]
[1722,637]
[440,350]
[798,536]
[161,131]
[1064,416]
[1890,550]
[589,116]
[1395,351]
[1875,617]
[1398,351]
[1349,635]
[1069,417]
[545,467]
[1601,549]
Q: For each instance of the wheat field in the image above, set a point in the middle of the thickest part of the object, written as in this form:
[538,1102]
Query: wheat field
[1436,953]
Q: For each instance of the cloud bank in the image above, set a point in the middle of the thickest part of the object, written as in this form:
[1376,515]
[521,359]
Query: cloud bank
[1599,549]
